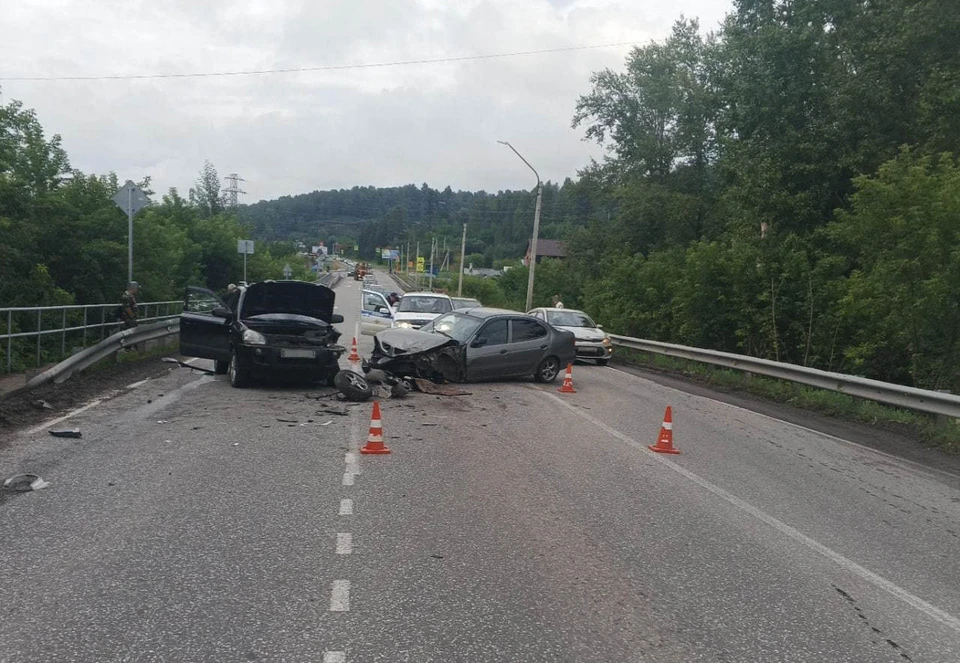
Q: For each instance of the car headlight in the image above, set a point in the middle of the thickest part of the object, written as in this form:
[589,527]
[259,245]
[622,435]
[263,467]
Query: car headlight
[251,337]
[606,341]
[404,324]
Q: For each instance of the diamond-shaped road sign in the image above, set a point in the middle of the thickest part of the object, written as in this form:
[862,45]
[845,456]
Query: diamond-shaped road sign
[131,198]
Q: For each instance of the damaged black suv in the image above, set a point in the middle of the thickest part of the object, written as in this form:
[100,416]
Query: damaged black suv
[274,328]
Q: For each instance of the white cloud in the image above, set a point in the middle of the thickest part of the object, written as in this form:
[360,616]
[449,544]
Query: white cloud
[295,132]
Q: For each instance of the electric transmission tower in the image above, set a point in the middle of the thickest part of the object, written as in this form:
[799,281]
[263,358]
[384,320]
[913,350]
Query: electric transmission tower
[233,190]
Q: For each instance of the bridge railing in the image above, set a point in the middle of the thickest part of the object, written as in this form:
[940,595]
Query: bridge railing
[39,334]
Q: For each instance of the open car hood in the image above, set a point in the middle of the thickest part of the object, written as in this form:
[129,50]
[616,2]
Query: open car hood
[396,342]
[292,297]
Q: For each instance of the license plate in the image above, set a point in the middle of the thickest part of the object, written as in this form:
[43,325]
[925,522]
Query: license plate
[298,354]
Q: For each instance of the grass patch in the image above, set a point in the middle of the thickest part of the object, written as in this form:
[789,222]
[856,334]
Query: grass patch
[944,435]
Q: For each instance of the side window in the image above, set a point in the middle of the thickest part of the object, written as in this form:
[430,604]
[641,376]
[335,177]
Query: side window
[495,332]
[527,330]
[372,302]
[200,300]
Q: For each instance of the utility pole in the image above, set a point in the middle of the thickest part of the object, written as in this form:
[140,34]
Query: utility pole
[536,226]
[463,251]
[433,243]
[233,190]
[416,265]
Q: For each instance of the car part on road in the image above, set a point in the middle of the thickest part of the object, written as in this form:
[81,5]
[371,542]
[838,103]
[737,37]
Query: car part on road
[183,364]
[434,389]
[24,483]
[67,432]
[353,386]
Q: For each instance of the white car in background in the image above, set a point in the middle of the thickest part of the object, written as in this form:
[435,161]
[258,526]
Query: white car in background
[376,314]
[591,341]
[416,309]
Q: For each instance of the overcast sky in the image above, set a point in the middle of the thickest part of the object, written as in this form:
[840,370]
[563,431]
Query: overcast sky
[295,132]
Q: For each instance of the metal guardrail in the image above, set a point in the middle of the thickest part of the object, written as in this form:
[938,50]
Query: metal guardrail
[96,318]
[90,356]
[922,400]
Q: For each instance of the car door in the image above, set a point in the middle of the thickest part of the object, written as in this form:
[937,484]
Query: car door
[375,313]
[487,351]
[529,340]
[205,325]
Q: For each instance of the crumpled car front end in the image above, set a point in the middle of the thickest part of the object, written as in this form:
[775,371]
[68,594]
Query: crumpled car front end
[416,354]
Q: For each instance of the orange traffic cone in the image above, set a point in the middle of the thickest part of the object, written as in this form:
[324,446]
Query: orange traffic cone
[664,443]
[353,351]
[375,438]
[567,387]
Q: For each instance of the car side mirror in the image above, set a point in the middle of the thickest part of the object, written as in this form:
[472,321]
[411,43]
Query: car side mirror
[336,318]
[381,309]
[599,326]
[221,312]
[478,342]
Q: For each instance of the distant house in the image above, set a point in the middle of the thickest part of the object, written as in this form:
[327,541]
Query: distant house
[546,248]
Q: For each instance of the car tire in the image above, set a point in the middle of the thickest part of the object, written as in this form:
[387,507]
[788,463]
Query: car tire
[602,362]
[221,367]
[353,385]
[548,370]
[238,373]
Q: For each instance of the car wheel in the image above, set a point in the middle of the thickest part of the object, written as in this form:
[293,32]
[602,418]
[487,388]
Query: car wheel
[237,372]
[221,367]
[602,362]
[548,370]
[353,385]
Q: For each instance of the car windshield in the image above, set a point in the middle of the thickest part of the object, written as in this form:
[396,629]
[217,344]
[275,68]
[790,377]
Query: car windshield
[562,318]
[424,304]
[457,326]
[461,303]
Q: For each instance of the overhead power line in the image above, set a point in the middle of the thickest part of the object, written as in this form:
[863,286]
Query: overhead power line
[296,70]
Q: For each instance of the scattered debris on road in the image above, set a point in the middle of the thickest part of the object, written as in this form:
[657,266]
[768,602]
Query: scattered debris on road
[67,432]
[434,389]
[327,423]
[288,421]
[24,483]
[42,405]
[183,364]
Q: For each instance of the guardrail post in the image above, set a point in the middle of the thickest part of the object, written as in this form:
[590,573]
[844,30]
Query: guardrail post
[102,314]
[39,323]
[9,341]
[63,334]
[84,326]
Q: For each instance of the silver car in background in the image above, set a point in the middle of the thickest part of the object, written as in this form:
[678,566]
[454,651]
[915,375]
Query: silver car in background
[592,341]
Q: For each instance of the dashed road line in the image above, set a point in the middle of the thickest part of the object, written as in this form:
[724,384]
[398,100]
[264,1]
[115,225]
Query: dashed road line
[348,478]
[344,543]
[346,507]
[340,596]
[37,429]
[334,657]
[875,579]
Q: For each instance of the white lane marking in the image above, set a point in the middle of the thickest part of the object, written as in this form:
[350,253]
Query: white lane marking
[340,596]
[919,466]
[56,421]
[348,478]
[849,565]
[346,507]
[334,657]
[344,543]
[137,384]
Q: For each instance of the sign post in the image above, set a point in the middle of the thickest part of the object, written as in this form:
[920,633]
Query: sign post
[131,199]
[245,246]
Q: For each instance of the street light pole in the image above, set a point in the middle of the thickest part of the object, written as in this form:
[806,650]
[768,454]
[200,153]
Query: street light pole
[536,226]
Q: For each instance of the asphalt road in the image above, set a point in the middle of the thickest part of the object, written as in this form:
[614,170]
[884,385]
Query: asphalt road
[195,522]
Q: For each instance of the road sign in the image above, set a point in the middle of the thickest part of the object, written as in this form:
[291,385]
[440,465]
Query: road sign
[131,198]
[245,246]
[420,262]
[287,271]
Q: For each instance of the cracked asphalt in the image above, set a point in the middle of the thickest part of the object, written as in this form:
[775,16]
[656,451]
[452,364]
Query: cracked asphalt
[515,524]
